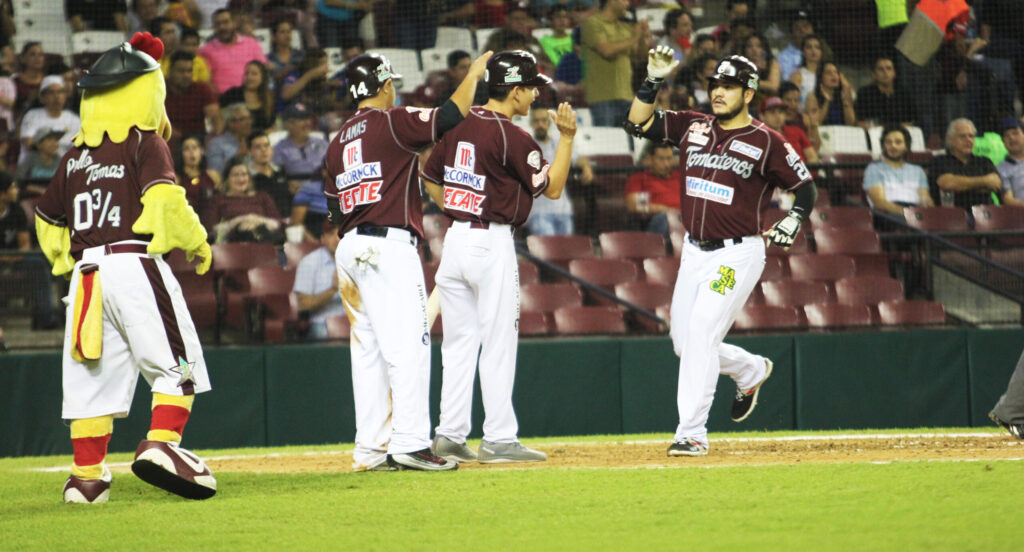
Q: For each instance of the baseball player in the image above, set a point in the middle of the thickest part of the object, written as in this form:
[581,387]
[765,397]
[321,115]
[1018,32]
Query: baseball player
[373,194]
[1008,413]
[486,174]
[109,214]
[730,163]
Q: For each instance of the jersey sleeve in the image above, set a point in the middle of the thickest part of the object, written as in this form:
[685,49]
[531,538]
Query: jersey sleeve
[51,205]
[414,127]
[784,168]
[433,170]
[154,162]
[527,163]
[677,123]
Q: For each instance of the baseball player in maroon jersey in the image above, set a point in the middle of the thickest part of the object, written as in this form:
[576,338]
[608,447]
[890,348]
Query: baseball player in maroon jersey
[373,194]
[109,214]
[485,174]
[730,164]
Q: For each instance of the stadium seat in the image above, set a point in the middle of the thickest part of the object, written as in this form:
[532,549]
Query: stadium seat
[269,291]
[295,251]
[533,324]
[850,181]
[402,60]
[200,296]
[436,226]
[335,61]
[95,41]
[937,219]
[482,36]
[868,290]
[606,273]
[589,320]
[843,139]
[528,273]
[756,296]
[847,241]
[435,59]
[655,18]
[456,38]
[603,141]
[548,297]
[231,262]
[678,240]
[584,118]
[276,136]
[760,317]
[821,267]
[799,247]
[993,218]
[872,265]
[647,296]
[633,246]
[774,269]
[542,32]
[796,293]
[901,312]
[560,250]
[338,327]
[841,217]
[831,315]
[661,270]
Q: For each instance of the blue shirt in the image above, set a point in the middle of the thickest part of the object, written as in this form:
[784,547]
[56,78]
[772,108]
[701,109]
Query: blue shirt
[313,275]
[303,164]
[1012,173]
[900,185]
[220,150]
[789,59]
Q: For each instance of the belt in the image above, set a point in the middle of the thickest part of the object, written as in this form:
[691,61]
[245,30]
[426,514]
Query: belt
[714,245]
[115,248]
[478,224]
[386,232]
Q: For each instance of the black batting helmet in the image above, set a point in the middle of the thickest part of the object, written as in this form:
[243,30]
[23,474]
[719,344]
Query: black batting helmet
[737,70]
[366,74]
[514,68]
[119,64]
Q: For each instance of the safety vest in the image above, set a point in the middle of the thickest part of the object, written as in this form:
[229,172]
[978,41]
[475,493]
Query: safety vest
[928,28]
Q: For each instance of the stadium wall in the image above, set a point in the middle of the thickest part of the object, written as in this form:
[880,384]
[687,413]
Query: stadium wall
[302,394]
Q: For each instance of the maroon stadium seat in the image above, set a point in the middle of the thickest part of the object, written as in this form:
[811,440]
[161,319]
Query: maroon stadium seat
[774,269]
[831,315]
[847,241]
[199,296]
[821,267]
[269,291]
[661,270]
[338,327]
[988,218]
[604,273]
[868,290]
[533,324]
[937,219]
[756,317]
[876,264]
[589,320]
[295,251]
[231,262]
[528,273]
[900,312]
[647,296]
[841,217]
[435,226]
[560,250]
[795,293]
[548,297]
[633,246]
[799,247]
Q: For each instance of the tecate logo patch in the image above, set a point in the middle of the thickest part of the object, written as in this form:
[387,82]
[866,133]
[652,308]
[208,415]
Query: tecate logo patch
[463,200]
[711,191]
[363,194]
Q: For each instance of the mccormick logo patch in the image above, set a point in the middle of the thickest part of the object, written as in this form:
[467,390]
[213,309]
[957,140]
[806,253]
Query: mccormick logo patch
[465,156]
[463,200]
[746,149]
[711,191]
[357,174]
[465,178]
[353,154]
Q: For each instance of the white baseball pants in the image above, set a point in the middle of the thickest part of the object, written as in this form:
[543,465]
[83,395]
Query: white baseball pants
[710,290]
[479,285]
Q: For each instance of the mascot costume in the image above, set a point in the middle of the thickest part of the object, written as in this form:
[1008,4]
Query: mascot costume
[107,218]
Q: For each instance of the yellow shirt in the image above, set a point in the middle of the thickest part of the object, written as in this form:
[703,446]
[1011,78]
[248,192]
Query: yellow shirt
[200,70]
[603,79]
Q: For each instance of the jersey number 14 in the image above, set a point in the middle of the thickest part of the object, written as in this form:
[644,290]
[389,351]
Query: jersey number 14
[87,204]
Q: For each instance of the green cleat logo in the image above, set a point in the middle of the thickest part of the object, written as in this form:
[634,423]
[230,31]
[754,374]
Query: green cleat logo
[727,280]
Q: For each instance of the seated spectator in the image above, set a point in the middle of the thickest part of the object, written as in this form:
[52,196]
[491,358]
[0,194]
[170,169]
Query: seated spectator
[678,30]
[814,52]
[28,79]
[13,222]
[959,177]
[832,100]
[228,52]
[35,172]
[239,213]
[655,192]
[1011,170]
[703,45]
[559,42]
[883,102]
[191,173]
[734,10]
[756,49]
[892,184]
[14,235]
[699,73]
[8,97]
[316,284]
[190,42]
[282,58]
[490,14]
[268,177]
[739,31]
[231,143]
[338,20]
[255,94]
[191,106]
[458,67]
[775,113]
[167,31]
[141,15]
[301,157]
[551,217]
[97,15]
[296,11]
[53,95]
[308,84]
[789,57]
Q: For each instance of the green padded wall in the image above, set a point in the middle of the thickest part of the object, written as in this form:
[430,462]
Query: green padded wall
[993,355]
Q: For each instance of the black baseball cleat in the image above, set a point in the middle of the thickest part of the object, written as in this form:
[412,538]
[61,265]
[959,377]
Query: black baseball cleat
[173,469]
[422,460]
[1017,430]
[745,401]
[687,447]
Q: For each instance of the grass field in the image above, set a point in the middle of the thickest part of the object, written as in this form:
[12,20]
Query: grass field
[935,503]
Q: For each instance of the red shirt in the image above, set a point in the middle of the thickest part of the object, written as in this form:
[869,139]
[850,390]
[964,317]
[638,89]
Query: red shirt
[97,192]
[224,207]
[490,169]
[185,109]
[796,136]
[373,166]
[663,191]
[729,174]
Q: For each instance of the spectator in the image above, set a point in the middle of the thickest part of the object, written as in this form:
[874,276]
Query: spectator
[228,52]
[702,69]
[559,42]
[238,213]
[28,79]
[892,184]
[678,30]
[282,58]
[301,157]
[191,106]
[13,222]
[552,217]
[338,20]
[142,14]
[734,11]
[1001,22]
[222,148]
[490,14]
[739,31]
[184,12]
[419,20]
[53,95]
[35,172]
[607,44]
[516,33]
[8,98]
[790,56]
[965,86]
[189,42]
[167,31]
[191,172]
[774,113]
[96,15]
[8,60]
[832,100]
[790,94]
[308,84]
[316,284]
[959,177]
[268,177]
[755,48]
[255,94]
[703,45]
[14,235]
[458,67]
[1011,170]
[655,192]
[815,51]
[298,12]
[882,102]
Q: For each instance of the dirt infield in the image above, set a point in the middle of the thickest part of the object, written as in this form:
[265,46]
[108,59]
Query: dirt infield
[723,452]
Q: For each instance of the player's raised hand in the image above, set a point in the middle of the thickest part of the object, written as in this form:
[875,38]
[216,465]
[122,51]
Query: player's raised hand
[565,119]
[479,66]
[660,62]
[783,233]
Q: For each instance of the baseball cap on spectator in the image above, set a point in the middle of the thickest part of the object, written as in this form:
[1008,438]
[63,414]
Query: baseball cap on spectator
[51,80]
[297,110]
[44,133]
[772,102]
[1010,123]
[424,95]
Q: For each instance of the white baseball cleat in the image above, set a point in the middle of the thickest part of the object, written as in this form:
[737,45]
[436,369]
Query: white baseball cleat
[87,491]
[173,469]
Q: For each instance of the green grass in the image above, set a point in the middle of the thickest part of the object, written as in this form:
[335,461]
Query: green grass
[897,506]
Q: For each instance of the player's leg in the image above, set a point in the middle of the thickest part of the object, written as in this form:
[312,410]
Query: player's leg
[1009,411]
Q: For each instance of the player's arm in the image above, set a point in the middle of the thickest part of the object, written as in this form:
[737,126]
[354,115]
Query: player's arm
[643,120]
[462,98]
[433,174]
[959,183]
[877,195]
[565,120]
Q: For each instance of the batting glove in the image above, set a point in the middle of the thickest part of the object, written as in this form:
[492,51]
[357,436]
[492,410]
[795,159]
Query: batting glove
[783,232]
[660,62]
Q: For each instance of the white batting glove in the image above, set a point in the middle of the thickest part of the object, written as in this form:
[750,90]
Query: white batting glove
[660,62]
[783,233]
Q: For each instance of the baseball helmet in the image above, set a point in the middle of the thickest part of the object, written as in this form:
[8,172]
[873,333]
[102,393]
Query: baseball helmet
[514,68]
[737,70]
[119,64]
[366,74]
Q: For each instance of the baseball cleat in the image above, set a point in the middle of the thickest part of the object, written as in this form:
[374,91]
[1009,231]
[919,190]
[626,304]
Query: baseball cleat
[87,491]
[688,447]
[1017,430]
[422,460]
[173,469]
[494,453]
[385,466]
[450,450]
[745,401]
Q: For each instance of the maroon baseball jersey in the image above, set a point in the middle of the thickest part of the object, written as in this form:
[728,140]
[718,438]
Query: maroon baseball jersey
[728,175]
[97,192]
[490,169]
[373,167]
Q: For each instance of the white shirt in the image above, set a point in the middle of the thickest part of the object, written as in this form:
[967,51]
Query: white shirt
[543,204]
[37,118]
